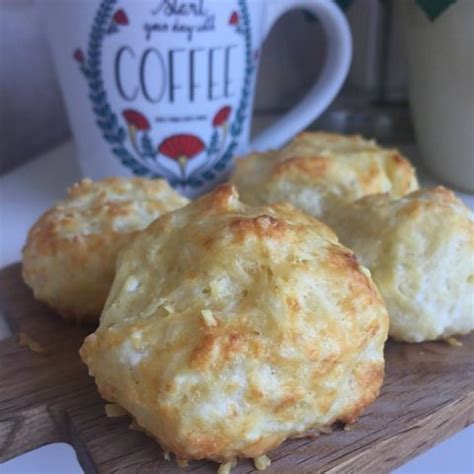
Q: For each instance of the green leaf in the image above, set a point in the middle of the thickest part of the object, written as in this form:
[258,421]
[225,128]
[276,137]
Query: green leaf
[344,4]
[434,8]
[147,147]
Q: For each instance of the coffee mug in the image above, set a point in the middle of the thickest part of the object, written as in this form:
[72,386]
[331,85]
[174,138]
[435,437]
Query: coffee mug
[165,88]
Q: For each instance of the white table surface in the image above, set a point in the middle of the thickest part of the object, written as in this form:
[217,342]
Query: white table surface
[27,191]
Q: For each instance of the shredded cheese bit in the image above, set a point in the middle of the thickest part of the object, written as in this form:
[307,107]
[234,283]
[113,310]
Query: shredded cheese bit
[182,462]
[26,340]
[325,430]
[264,221]
[226,467]
[452,341]
[168,308]
[365,271]
[208,317]
[262,462]
[310,434]
[136,338]
[132,284]
[112,410]
[213,286]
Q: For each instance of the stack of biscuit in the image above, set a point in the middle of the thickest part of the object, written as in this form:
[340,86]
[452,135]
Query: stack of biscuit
[230,324]
[418,244]
[317,172]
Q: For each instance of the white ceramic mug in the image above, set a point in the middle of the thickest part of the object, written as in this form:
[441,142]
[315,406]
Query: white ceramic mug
[165,88]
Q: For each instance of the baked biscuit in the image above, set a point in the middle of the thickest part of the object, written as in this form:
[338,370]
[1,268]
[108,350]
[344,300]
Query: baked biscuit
[229,329]
[420,250]
[319,171]
[69,257]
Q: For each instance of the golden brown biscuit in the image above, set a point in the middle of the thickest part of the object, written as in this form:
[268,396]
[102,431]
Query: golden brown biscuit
[420,250]
[229,329]
[69,257]
[317,172]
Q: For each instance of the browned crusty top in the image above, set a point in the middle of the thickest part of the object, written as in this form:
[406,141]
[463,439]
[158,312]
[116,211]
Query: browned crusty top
[69,257]
[420,251]
[320,171]
[230,328]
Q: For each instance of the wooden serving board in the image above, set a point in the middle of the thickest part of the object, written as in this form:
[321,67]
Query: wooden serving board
[427,396]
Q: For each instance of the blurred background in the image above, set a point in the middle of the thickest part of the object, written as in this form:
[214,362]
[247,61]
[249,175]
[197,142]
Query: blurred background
[33,117]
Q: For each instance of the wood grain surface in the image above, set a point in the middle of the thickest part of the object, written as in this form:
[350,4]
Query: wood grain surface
[427,396]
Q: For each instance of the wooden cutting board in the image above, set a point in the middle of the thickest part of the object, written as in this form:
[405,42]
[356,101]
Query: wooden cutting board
[427,396]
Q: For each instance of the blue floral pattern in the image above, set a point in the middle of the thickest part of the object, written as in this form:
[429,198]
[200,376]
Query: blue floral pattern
[114,133]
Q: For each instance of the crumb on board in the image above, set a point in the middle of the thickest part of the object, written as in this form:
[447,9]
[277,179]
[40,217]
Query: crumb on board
[166,455]
[26,340]
[112,410]
[310,434]
[262,462]
[182,463]
[348,427]
[325,429]
[226,467]
[452,341]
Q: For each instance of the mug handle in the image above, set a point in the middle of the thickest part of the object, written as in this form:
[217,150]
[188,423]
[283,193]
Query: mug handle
[338,58]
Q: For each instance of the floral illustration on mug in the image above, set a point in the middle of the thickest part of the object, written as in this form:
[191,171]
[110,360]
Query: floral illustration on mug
[136,123]
[221,123]
[182,148]
[234,19]
[119,18]
[79,56]
[131,133]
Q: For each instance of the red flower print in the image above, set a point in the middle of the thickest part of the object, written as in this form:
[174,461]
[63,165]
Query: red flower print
[120,18]
[181,148]
[234,19]
[222,116]
[79,56]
